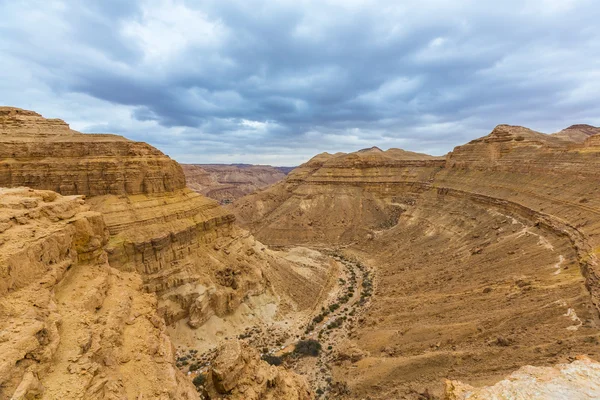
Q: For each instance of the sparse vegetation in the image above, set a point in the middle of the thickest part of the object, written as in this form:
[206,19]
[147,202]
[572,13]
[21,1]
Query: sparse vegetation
[199,380]
[273,360]
[308,347]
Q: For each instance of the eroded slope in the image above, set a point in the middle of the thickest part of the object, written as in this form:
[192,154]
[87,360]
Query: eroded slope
[72,326]
[486,261]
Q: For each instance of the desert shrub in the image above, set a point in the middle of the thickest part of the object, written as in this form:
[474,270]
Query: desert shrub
[194,367]
[199,380]
[308,347]
[272,360]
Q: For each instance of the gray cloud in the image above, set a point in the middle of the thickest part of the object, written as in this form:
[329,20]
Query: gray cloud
[277,82]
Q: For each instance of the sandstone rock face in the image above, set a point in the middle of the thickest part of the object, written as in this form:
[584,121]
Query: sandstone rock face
[45,154]
[238,373]
[167,240]
[578,380]
[336,198]
[485,259]
[226,183]
[24,122]
[71,326]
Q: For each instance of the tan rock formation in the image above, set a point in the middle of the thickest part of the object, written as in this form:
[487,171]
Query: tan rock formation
[485,261]
[578,380]
[226,183]
[24,122]
[45,154]
[180,242]
[238,373]
[70,325]
[577,133]
[335,199]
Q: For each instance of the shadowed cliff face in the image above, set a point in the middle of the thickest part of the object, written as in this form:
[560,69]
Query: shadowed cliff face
[485,260]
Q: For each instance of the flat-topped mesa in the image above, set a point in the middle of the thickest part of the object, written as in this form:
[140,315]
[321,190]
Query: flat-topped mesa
[45,154]
[16,121]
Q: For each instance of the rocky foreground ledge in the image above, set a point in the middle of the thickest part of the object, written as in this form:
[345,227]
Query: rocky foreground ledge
[579,380]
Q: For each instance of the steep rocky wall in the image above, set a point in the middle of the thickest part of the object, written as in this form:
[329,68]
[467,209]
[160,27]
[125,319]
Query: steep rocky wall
[70,325]
[46,154]
[180,243]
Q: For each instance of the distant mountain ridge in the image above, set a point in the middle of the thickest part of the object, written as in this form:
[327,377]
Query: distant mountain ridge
[228,182]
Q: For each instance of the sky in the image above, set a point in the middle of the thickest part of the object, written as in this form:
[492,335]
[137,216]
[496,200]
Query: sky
[276,82]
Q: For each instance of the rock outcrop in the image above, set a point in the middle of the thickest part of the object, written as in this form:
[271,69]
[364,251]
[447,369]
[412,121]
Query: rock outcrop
[181,243]
[578,380]
[226,183]
[71,326]
[238,373]
[336,199]
[45,154]
[162,255]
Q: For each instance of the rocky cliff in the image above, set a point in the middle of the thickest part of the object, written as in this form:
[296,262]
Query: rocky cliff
[238,373]
[486,259]
[163,251]
[71,326]
[45,154]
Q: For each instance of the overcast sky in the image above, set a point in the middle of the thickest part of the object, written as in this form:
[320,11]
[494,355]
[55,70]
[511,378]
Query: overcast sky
[277,82]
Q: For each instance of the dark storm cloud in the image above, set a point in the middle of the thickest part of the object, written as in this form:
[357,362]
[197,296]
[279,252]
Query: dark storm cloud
[263,81]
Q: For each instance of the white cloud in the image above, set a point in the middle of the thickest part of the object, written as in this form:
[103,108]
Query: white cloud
[168,27]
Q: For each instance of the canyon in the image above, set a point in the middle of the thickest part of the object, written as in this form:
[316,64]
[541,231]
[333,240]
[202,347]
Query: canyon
[485,260]
[227,183]
[374,274]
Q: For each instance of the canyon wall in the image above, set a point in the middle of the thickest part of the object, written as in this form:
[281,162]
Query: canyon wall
[160,251]
[486,259]
[72,326]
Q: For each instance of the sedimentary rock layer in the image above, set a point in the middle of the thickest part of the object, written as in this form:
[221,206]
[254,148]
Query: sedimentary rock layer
[226,183]
[184,246]
[71,326]
[486,259]
[45,154]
